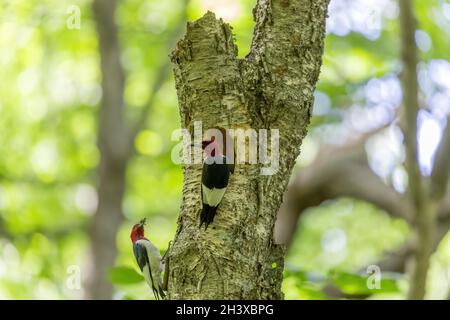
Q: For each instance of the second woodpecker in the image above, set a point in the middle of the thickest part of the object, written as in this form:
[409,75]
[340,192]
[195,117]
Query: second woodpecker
[215,175]
[148,259]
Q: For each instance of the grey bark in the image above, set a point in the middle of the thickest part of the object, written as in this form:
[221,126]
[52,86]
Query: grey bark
[272,88]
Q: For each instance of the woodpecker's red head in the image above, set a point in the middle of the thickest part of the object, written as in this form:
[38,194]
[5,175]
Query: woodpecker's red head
[137,232]
[214,141]
[211,147]
[206,143]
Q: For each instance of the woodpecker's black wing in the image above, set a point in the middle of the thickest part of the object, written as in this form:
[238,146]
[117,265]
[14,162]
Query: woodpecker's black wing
[215,176]
[141,255]
[140,252]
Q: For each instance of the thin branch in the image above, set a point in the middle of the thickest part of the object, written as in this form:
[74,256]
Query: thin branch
[337,172]
[444,208]
[161,76]
[441,168]
[410,87]
[424,207]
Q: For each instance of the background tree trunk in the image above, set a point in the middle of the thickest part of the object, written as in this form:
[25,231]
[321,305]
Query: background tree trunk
[344,171]
[113,152]
[272,88]
[116,144]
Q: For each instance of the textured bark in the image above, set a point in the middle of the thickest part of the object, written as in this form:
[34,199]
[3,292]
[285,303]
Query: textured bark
[272,88]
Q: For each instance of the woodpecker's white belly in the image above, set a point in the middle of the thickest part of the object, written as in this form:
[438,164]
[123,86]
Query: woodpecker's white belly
[213,196]
[156,265]
[147,278]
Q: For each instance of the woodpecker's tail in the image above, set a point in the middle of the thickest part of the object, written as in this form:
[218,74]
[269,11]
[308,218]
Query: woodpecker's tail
[155,293]
[161,292]
[207,215]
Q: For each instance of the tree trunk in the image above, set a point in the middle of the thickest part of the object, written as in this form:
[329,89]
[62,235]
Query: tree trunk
[272,88]
[425,209]
[115,142]
[104,229]
[114,153]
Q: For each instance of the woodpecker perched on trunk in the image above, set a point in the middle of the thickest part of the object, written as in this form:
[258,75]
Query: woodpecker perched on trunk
[215,176]
[148,259]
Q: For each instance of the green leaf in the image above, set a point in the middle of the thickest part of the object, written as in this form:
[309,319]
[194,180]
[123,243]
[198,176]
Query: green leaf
[124,275]
[308,284]
[359,284]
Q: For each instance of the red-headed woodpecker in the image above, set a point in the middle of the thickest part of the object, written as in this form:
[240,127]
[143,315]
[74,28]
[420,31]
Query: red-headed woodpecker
[148,259]
[215,176]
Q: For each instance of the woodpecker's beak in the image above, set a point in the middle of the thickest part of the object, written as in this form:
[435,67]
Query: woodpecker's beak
[142,222]
[205,144]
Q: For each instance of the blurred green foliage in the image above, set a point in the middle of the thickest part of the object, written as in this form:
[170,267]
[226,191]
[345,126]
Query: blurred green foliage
[49,96]
[124,275]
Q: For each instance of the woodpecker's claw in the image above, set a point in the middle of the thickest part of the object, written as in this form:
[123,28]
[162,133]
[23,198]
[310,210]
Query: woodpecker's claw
[168,248]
